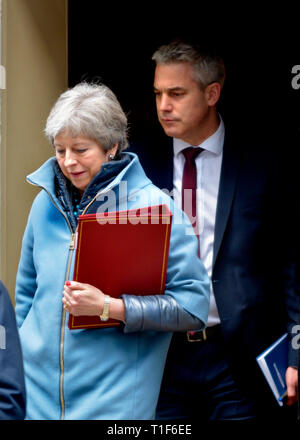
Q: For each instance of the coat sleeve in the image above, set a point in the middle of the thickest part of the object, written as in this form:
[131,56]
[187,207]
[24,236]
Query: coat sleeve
[289,199]
[185,304]
[292,289]
[12,386]
[157,312]
[26,277]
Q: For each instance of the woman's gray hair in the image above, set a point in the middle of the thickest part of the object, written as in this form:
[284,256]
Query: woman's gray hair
[92,111]
[208,68]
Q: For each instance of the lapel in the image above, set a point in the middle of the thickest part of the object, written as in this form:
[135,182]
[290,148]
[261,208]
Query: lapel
[228,180]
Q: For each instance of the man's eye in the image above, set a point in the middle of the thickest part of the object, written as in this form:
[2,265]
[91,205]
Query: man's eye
[60,152]
[81,150]
[176,94]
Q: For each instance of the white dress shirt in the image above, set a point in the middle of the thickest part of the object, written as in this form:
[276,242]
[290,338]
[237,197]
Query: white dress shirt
[208,165]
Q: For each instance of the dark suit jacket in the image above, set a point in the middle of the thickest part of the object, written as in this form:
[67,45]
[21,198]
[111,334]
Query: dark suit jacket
[12,383]
[253,261]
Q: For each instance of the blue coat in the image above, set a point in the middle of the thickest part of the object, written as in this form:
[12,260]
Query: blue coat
[94,374]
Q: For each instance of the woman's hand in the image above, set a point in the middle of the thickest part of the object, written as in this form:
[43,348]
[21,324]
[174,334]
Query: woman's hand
[83,299]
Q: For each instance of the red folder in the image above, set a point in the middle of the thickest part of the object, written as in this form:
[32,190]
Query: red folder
[122,252]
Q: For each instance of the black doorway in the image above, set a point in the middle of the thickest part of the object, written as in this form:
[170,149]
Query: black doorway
[114,43]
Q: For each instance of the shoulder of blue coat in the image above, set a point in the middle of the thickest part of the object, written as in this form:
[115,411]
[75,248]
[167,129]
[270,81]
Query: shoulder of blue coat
[41,208]
[41,198]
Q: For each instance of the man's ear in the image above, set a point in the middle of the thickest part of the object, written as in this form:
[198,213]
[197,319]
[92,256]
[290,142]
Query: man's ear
[212,93]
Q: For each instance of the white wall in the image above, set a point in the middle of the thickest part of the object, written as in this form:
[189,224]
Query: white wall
[34,54]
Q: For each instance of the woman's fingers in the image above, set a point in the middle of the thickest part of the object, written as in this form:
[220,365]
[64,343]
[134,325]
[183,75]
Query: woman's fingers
[75,285]
[68,298]
[82,299]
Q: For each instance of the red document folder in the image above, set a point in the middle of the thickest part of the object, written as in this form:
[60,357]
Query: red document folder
[122,252]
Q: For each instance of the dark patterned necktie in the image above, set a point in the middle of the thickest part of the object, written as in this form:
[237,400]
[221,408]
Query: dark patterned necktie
[189,185]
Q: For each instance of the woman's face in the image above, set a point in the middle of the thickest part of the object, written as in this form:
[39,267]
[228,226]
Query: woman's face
[80,158]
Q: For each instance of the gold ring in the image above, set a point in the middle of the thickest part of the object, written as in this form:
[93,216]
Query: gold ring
[67,305]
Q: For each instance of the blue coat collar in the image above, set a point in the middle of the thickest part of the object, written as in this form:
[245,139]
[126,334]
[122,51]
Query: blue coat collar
[132,173]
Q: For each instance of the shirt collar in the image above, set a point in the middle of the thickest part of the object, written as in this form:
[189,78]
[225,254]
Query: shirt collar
[213,143]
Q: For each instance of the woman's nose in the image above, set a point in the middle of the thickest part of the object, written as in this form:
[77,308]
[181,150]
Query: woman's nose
[70,159]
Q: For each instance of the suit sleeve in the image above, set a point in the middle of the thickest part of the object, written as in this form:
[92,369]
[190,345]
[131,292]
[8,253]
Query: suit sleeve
[12,386]
[291,209]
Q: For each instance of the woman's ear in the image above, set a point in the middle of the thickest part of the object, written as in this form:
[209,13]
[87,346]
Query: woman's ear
[113,151]
[212,93]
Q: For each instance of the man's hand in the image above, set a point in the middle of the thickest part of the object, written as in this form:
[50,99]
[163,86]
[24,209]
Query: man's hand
[291,378]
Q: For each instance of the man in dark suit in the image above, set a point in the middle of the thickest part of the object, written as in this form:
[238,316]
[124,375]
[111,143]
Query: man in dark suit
[244,220]
[12,382]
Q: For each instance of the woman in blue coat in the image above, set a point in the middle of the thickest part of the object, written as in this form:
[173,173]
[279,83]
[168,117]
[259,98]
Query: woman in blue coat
[111,373]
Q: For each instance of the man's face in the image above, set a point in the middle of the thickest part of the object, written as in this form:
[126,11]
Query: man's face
[182,107]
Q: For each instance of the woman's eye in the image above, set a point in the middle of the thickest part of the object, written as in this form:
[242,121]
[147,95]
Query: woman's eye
[81,150]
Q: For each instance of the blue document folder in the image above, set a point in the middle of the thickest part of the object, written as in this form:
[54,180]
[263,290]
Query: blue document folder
[273,363]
